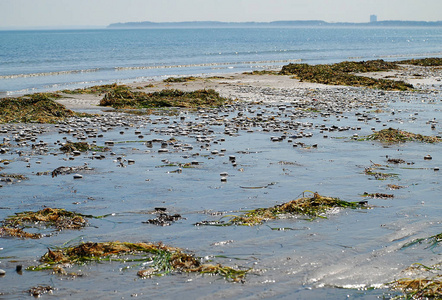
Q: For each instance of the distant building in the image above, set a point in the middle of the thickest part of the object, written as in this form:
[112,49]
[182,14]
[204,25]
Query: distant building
[373,18]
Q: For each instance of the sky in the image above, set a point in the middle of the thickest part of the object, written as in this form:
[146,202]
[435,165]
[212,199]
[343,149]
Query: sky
[85,13]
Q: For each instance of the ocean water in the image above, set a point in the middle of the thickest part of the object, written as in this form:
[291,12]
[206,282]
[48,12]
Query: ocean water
[32,61]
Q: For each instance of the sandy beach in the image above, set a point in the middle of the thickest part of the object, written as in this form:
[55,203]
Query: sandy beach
[264,88]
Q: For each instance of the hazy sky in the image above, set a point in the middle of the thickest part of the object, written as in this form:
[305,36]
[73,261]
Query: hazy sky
[63,13]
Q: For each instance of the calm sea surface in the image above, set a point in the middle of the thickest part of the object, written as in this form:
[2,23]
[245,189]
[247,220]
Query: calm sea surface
[32,61]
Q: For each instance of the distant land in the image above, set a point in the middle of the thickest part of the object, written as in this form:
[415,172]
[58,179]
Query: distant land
[318,23]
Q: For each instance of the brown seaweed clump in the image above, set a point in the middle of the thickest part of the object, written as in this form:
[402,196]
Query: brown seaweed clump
[96,89]
[35,108]
[164,259]
[180,79]
[424,62]
[79,146]
[341,74]
[424,282]
[312,207]
[50,217]
[393,136]
[123,97]
[18,232]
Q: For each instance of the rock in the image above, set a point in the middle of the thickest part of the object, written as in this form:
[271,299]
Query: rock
[78,176]
[2,272]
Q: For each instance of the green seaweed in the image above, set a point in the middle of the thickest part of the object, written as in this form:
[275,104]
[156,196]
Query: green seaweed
[96,89]
[52,217]
[393,136]
[312,207]
[163,259]
[425,62]
[180,79]
[35,108]
[425,283]
[340,74]
[125,98]
[432,241]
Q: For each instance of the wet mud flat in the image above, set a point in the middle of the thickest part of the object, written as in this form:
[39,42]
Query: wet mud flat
[178,176]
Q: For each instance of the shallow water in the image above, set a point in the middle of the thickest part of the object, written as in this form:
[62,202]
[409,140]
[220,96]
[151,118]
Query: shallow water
[346,255]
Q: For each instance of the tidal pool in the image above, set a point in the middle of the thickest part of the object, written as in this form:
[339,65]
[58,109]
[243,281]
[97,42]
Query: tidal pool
[351,253]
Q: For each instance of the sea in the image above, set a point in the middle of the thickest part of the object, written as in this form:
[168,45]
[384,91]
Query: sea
[48,60]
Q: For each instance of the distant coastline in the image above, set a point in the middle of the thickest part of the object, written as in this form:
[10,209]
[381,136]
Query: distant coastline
[318,23]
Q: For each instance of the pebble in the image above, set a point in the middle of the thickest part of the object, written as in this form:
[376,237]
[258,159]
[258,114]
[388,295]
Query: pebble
[2,272]
[428,157]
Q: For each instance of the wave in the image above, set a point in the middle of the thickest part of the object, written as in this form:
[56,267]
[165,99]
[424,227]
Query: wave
[54,73]
[57,73]
[207,64]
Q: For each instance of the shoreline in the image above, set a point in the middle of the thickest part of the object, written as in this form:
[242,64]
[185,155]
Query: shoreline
[249,88]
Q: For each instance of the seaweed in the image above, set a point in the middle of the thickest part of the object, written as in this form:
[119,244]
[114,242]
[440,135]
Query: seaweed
[433,241]
[393,136]
[35,108]
[125,98]
[37,291]
[378,195]
[425,284]
[49,217]
[180,79]
[18,232]
[79,146]
[162,259]
[96,89]
[66,170]
[164,219]
[340,74]
[424,62]
[372,171]
[312,207]
[395,186]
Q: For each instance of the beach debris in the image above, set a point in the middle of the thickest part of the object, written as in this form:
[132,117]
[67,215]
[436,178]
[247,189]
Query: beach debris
[37,291]
[312,207]
[164,219]
[392,136]
[341,74]
[35,108]
[2,272]
[123,97]
[162,259]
